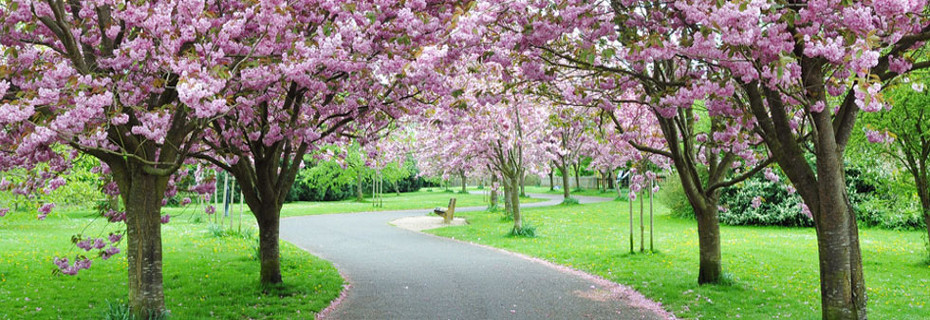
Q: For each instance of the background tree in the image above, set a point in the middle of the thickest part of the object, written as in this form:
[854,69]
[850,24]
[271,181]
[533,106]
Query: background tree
[341,71]
[131,84]
[903,134]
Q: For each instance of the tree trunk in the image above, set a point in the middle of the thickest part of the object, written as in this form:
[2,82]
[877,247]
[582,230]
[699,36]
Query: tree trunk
[268,245]
[842,285]
[515,205]
[523,185]
[610,179]
[710,267]
[923,192]
[642,227]
[142,201]
[564,169]
[397,188]
[493,191]
[578,176]
[551,182]
[464,180]
[508,201]
[359,196]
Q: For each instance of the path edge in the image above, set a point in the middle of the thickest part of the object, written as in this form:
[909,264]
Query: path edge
[635,298]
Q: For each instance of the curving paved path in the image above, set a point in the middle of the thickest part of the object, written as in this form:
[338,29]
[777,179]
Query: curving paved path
[401,274]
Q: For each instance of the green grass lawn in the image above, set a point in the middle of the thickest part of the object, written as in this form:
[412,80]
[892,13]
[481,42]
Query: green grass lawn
[584,192]
[204,276]
[422,199]
[773,270]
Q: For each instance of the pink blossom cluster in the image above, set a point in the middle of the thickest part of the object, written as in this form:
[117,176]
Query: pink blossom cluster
[65,267]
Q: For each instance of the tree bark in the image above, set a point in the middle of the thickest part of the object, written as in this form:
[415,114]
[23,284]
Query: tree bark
[508,201]
[710,267]
[923,192]
[493,191]
[268,245]
[642,227]
[522,185]
[563,167]
[551,182]
[142,195]
[515,205]
[610,179]
[841,279]
[464,180]
[577,175]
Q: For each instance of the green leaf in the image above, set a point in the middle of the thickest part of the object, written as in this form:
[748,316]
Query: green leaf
[328,29]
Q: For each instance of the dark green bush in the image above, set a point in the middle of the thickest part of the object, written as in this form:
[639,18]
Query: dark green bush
[777,207]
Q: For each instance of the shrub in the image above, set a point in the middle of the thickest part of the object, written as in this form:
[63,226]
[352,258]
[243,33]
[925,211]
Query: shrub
[570,201]
[777,207]
[120,311]
[528,231]
[672,194]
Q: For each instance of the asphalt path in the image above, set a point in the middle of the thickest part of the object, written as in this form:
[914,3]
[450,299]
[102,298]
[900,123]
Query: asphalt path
[400,274]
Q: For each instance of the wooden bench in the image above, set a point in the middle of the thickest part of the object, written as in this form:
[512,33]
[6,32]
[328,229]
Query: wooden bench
[447,213]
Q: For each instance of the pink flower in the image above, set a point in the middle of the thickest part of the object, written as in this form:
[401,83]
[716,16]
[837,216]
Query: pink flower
[210,210]
[45,209]
[115,237]
[878,136]
[756,202]
[3,211]
[85,244]
[185,201]
[99,244]
[109,252]
[115,216]
[165,218]
[806,211]
[771,176]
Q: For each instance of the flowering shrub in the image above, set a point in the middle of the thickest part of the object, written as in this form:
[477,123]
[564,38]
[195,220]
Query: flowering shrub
[759,201]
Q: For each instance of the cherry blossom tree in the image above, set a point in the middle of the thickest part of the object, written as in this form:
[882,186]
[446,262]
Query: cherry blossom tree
[569,130]
[490,122]
[344,71]
[132,84]
[251,87]
[786,75]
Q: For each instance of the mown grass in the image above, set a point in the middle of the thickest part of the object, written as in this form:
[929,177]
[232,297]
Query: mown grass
[772,271]
[411,200]
[422,199]
[575,192]
[204,276]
